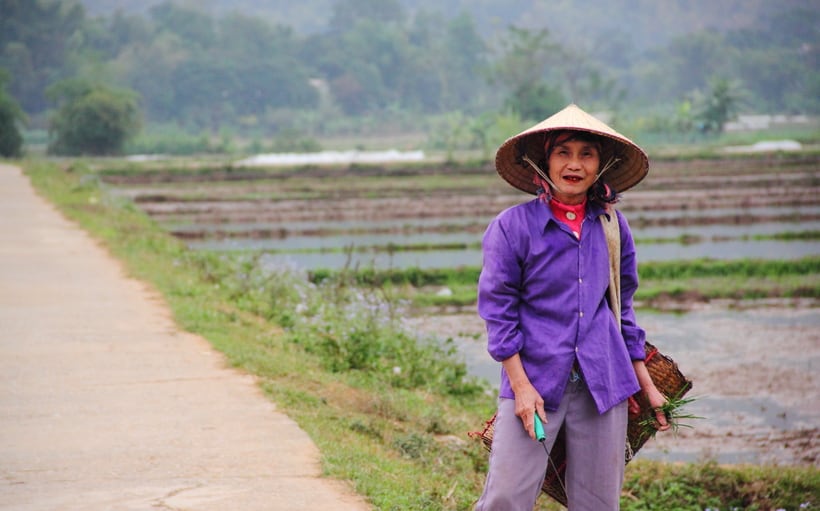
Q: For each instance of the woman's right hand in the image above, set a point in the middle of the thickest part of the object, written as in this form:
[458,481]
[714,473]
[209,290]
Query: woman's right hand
[528,401]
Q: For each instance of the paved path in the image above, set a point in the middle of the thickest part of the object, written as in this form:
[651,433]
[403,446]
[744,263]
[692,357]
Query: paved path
[106,405]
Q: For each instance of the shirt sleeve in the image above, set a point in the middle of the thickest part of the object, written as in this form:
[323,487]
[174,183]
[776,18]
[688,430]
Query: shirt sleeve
[499,292]
[634,336]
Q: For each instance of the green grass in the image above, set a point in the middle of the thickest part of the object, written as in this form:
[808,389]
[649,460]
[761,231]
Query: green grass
[327,351]
[702,279]
[653,486]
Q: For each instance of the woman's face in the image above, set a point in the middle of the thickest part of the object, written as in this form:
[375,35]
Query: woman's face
[573,166]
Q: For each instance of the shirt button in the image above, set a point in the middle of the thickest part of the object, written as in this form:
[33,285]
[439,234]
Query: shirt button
[580,281]
[581,313]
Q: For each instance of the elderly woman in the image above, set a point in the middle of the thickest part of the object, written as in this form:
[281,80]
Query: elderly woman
[543,295]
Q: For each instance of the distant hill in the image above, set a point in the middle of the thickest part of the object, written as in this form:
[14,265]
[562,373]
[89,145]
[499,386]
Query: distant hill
[637,24]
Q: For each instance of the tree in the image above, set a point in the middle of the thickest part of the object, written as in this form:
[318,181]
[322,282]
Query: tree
[92,119]
[464,59]
[263,63]
[149,69]
[195,27]
[11,142]
[536,101]
[778,60]
[522,70]
[719,105]
[366,66]
[108,37]
[36,46]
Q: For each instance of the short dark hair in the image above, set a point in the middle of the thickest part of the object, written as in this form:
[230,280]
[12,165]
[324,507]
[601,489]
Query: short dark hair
[555,138]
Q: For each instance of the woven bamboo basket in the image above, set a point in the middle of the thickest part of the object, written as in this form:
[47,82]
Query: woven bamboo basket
[669,381]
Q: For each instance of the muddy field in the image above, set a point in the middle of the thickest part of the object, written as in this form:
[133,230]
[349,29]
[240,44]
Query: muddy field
[280,198]
[754,372]
[754,365]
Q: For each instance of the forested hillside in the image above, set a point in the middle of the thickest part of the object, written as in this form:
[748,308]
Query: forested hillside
[320,67]
[647,23]
[632,31]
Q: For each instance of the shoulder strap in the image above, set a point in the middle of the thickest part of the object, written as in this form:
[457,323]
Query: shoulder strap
[612,231]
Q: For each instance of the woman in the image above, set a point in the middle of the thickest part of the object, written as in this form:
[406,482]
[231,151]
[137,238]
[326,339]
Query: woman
[542,293]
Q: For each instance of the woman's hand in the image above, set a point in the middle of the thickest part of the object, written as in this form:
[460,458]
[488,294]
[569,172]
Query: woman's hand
[656,401]
[528,401]
[652,395]
[634,407]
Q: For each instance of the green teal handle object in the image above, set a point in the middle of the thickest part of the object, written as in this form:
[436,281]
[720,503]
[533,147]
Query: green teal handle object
[539,429]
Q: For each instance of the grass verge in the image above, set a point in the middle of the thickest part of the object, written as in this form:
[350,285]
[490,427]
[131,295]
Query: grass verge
[388,414]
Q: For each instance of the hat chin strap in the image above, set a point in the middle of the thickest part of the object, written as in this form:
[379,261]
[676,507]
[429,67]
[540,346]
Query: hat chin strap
[611,163]
[541,173]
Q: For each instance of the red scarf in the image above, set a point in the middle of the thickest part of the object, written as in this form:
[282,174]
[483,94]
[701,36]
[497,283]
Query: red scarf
[571,215]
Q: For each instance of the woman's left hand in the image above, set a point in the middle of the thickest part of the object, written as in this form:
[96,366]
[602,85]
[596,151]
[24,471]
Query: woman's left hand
[656,401]
[652,395]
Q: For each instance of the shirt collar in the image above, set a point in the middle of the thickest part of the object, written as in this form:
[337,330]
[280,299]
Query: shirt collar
[593,210]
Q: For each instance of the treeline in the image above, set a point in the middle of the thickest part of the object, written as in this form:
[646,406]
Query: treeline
[193,69]
[375,62]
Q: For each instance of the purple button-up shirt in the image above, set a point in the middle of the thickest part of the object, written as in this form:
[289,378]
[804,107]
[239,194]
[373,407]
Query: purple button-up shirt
[542,293]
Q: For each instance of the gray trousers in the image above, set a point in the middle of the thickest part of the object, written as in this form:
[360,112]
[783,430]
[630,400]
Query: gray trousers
[595,456]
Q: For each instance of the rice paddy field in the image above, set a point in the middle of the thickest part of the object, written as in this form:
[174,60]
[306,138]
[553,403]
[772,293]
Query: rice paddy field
[432,216]
[750,340]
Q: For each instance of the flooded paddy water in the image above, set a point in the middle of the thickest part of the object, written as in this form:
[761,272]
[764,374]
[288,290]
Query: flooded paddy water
[754,365]
[755,373]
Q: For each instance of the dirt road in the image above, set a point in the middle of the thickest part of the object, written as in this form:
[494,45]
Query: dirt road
[106,405]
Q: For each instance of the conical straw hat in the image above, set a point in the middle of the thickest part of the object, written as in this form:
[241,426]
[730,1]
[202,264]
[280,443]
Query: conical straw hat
[631,166]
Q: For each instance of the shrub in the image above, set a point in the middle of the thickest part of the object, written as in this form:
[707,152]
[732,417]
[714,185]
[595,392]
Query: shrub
[92,119]
[11,141]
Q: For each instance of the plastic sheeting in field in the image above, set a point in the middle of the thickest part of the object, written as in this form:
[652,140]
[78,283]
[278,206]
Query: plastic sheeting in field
[331,158]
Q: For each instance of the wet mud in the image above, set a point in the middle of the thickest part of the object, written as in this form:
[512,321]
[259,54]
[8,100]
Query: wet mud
[754,370]
[754,365]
